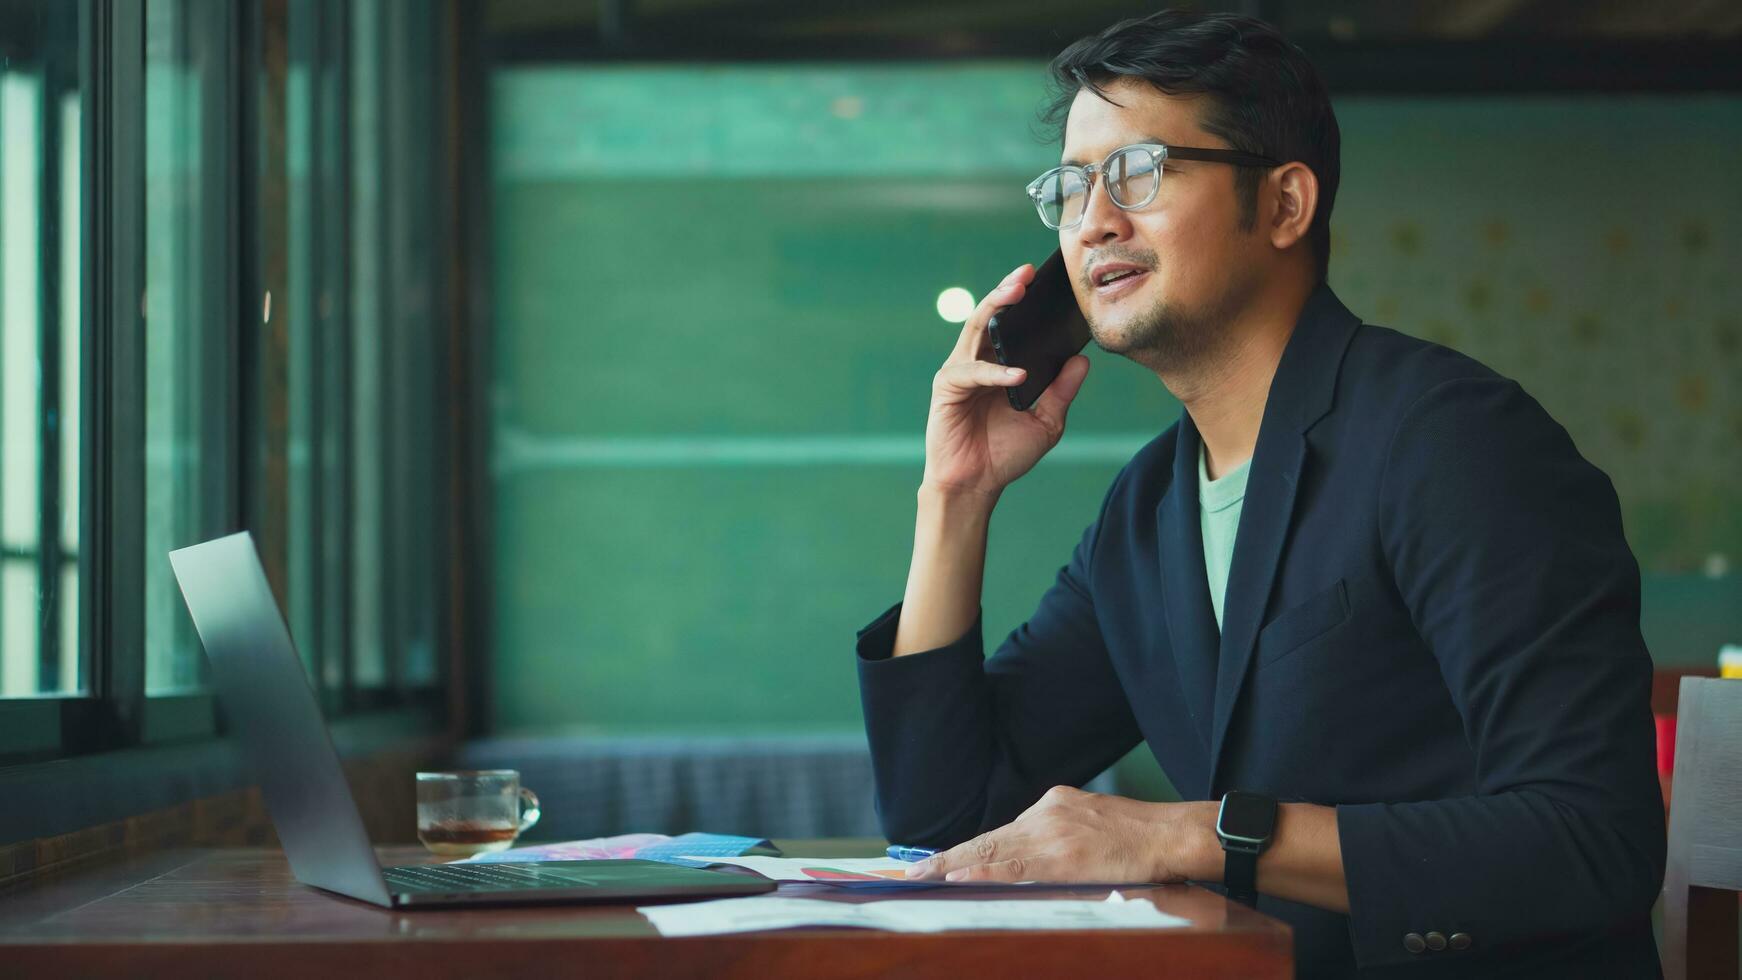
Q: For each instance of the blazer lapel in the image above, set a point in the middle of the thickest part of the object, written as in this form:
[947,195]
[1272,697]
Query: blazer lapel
[1191,621]
[1265,516]
[1300,394]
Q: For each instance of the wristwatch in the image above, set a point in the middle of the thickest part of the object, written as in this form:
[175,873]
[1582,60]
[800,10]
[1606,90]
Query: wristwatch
[1244,826]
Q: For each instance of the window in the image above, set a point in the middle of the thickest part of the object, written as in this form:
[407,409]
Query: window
[222,240]
[399,332]
[39,350]
[186,370]
[368,637]
[319,370]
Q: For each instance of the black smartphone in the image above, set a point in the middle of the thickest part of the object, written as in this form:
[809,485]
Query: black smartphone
[1040,332]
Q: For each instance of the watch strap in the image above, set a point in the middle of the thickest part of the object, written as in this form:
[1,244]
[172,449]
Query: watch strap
[1240,873]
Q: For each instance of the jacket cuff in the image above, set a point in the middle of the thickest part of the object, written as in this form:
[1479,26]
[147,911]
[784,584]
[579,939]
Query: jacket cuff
[877,641]
[1382,915]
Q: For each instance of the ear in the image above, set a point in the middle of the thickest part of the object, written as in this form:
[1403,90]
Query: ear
[1295,191]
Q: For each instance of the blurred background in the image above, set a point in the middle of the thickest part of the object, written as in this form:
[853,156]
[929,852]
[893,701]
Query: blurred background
[569,362]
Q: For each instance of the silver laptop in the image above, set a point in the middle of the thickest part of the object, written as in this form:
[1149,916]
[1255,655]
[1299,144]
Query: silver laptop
[270,705]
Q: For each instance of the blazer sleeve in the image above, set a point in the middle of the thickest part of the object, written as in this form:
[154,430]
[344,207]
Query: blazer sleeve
[1507,548]
[961,744]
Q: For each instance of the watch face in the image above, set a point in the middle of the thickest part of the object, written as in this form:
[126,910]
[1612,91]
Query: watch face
[1247,816]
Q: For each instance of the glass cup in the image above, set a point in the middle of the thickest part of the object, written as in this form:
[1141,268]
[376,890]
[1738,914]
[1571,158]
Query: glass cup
[463,813]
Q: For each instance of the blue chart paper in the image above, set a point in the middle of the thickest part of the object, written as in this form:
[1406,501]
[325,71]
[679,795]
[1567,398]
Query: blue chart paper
[647,847]
[707,845]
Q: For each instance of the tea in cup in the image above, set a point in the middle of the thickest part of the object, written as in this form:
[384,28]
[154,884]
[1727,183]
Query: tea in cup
[460,814]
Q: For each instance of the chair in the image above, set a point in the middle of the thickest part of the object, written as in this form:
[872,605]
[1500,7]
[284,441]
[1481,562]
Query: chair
[1704,870]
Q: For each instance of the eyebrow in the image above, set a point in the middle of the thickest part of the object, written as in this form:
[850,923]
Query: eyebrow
[1073,162]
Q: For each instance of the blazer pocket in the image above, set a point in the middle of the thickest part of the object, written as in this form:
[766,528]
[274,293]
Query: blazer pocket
[1302,623]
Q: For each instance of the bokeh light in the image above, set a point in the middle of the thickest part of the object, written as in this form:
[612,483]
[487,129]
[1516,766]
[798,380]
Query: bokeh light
[955,304]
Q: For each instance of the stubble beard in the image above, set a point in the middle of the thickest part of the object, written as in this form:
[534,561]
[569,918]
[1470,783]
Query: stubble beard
[1170,338]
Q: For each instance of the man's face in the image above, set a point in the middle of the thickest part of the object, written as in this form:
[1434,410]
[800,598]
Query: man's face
[1197,266]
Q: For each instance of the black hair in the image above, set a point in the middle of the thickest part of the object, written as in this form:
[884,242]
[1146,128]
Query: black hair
[1263,95]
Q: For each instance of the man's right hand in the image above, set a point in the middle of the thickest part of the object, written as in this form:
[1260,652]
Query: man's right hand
[974,440]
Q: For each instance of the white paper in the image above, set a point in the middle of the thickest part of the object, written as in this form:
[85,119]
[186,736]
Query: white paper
[818,869]
[905,915]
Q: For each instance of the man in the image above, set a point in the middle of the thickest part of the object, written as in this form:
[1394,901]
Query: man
[1365,585]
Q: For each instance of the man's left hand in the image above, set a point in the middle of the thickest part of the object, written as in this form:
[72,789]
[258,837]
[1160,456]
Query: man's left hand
[1070,835]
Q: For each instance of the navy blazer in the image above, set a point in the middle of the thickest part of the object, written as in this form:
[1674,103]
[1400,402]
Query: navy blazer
[1431,623]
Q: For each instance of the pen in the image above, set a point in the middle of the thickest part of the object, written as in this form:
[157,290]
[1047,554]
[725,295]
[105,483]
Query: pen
[901,853]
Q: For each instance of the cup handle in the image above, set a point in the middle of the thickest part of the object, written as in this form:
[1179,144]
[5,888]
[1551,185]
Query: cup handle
[529,810]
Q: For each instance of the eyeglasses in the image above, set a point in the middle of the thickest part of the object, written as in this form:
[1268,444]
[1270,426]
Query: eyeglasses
[1132,175]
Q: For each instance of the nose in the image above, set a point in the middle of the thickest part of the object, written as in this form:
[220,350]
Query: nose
[1103,221]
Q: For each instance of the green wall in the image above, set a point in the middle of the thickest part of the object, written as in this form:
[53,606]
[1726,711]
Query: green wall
[715,333]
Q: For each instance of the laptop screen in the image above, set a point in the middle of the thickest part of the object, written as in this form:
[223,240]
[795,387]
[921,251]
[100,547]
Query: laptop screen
[271,708]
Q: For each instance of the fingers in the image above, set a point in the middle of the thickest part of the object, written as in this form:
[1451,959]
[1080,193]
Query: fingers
[1014,869]
[1055,402]
[1008,291]
[997,849]
[977,860]
[959,377]
[966,854]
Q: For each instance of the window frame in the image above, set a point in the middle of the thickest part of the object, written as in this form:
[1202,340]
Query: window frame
[114,717]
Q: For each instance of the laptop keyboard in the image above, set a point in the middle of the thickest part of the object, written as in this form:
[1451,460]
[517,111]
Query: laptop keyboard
[478,878]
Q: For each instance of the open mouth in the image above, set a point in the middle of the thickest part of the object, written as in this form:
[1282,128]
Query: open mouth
[1115,282]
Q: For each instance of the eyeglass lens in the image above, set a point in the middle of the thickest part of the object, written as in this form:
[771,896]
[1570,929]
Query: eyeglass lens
[1130,176]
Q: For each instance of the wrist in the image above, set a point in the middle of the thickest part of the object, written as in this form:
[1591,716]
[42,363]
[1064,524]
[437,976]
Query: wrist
[1190,848]
[956,501]
[1210,859]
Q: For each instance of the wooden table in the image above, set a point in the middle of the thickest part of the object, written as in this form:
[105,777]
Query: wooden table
[199,913]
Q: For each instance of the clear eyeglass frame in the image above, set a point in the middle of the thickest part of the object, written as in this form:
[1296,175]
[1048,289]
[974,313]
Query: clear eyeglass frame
[1157,152]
